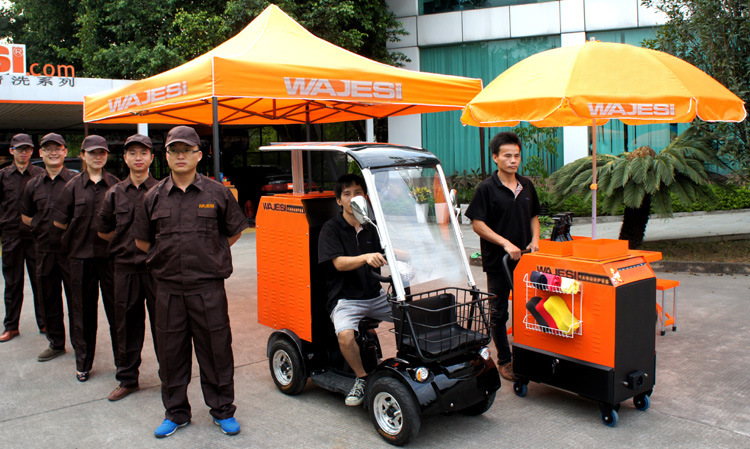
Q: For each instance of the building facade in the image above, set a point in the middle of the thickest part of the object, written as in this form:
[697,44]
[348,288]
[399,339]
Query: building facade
[482,38]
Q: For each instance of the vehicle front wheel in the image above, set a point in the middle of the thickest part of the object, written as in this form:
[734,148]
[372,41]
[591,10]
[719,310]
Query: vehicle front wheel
[393,411]
[287,368]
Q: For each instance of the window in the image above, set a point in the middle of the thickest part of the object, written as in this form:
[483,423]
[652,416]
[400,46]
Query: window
[457,146]
[438,6]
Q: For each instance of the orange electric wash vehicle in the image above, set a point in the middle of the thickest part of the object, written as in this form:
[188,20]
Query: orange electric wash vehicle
[440,318]
[583,321]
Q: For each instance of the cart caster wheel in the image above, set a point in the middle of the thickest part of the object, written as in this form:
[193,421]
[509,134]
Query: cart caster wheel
[520,389]
[610,419]
[642,402]
[663,333]
[393,411]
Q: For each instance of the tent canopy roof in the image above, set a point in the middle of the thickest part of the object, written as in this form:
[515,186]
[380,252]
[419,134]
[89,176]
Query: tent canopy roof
[276,72]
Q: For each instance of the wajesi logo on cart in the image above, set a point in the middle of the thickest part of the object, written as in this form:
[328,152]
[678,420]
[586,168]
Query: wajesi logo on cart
[577,275]
[148,96]
[631,109]
[280,207]
[343,88]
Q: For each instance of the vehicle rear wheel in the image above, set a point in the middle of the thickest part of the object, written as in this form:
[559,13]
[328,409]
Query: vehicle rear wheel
[481,406]
[393,411]
[287,368]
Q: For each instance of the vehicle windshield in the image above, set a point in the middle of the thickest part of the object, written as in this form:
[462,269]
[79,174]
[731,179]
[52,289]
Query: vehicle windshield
[417,218]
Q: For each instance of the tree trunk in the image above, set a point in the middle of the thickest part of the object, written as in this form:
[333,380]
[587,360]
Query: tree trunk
[634,223]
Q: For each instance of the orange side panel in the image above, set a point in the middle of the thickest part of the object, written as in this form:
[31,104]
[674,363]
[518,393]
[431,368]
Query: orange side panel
[283,261]
[597,307]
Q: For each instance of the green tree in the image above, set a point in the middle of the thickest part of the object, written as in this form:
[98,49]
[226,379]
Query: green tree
[642,180]
[713,35]
[134,39]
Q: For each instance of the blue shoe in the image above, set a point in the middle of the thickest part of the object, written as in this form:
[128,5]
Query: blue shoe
[229,426]
[168,427]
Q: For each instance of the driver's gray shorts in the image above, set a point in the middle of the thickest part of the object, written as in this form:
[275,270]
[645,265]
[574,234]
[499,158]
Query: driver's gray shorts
[349,312]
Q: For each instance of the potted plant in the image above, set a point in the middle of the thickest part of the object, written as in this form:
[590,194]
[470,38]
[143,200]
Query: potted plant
[422,197]
[465,184]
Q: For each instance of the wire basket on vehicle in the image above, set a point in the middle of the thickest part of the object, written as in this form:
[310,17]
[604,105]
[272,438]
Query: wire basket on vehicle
[443,323]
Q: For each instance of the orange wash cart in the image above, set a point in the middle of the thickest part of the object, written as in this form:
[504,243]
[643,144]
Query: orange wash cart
[611,356]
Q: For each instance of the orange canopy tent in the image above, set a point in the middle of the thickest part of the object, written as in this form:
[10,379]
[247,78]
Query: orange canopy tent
[276,72]
[592,83]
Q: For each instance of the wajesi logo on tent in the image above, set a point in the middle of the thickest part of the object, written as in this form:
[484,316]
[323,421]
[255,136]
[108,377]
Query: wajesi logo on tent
[148,96]
[343,88]
[631,109]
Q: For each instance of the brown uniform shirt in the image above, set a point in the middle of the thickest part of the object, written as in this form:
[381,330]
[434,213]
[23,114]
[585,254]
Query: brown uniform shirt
[116,214]
[77,206]
[37,201]
[12,183]
[188,232]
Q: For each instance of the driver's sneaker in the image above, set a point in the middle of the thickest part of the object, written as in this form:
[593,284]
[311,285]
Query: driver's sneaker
[229,426]
[167,428]
[357,394]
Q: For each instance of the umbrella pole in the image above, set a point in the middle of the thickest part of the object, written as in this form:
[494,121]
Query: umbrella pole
[481,151]
[217,156]
[593,184]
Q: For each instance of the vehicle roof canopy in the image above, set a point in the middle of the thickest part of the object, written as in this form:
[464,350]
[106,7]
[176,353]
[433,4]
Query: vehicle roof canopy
[367,155]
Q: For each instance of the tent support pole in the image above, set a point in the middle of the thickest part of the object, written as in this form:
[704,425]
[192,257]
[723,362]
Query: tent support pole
[309,153]
[217,153]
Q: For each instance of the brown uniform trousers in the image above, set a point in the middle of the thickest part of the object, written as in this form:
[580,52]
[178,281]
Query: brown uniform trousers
[203,319]
[52,269]
[130,290]
[87,276]
[16,251]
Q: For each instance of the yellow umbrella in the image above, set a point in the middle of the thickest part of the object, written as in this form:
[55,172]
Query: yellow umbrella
[591,83]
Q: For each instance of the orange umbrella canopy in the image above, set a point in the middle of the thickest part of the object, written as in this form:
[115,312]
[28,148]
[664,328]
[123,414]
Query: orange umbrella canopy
[276,72]
[600,81]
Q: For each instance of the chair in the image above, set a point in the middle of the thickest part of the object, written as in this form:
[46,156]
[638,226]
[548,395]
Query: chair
[665,318]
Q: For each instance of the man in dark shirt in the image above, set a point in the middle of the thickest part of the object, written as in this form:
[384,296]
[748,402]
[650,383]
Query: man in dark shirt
[504,213]
[52,266]
[349,250]
[18,244]
[134,285]
[186,224]
[90,265]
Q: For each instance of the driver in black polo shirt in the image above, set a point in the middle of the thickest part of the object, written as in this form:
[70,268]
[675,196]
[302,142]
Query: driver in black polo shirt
[504,213]
[349,250]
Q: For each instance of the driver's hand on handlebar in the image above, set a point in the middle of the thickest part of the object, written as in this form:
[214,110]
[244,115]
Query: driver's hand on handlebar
[533,246]
[512,250]
[375,260]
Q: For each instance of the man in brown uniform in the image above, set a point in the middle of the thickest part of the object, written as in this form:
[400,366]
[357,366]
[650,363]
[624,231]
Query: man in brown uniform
[134,285]
[52,267]
[18,244]
[187,223]
[90,265]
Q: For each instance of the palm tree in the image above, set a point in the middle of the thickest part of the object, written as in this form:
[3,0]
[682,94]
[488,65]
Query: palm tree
[642,180]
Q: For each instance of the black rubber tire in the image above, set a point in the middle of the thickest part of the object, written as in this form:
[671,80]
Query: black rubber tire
[385,395]
[287,368]
[481,406]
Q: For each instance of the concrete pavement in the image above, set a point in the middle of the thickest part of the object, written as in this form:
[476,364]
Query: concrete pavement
[700,399]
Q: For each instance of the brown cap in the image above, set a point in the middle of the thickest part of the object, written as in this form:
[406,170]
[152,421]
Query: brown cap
[140,139]
[20,140]
[94,142]
[184,134]
[52,137]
